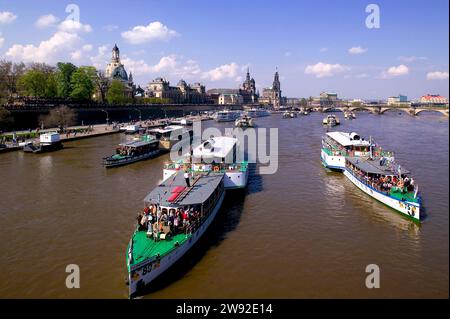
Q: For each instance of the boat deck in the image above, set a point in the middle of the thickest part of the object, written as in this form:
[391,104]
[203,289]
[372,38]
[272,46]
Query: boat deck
[145,248]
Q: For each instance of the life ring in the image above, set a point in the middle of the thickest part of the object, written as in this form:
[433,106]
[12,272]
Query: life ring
[216,169]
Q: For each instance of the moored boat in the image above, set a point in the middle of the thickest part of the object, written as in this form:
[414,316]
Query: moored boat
[169,135]
[175,216]
[257,112]
[289,115]
[131,152]
[226,116]
[48,142]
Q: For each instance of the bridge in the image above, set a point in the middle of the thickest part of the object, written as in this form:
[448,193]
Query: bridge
[380,109]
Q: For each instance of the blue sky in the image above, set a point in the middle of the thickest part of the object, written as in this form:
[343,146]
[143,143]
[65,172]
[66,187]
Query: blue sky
[316,45]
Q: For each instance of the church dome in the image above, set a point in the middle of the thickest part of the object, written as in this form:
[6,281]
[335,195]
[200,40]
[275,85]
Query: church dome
[120,73]
[181,83]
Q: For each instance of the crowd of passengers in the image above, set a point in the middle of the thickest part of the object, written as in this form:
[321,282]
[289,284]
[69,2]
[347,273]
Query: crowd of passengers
[156,220]
[131,151]
[385,184]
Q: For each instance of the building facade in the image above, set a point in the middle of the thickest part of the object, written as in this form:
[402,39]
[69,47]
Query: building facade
[248,90]
[431,99]
[272,95]
[397,100]
[180,94]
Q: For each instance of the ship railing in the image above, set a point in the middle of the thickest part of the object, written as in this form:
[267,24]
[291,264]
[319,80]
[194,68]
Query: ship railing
[203,167]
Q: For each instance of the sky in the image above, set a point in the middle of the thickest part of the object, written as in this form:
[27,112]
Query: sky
[316,46]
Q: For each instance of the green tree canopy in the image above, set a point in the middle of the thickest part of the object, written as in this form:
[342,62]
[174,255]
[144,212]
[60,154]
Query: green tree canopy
[63,77]
[38,83]
[117,93]
[82,81]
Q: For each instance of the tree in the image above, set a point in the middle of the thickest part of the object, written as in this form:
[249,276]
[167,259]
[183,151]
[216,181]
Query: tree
[5,119]
[64,76]
[60,117]
[303,102]
[82,81]
[39,81]
[117,93]
[101,86]
[9,75]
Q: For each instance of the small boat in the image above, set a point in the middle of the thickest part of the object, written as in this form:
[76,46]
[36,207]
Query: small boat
[336,146]
[331,120]
[131,152]
[353,115]
[48,142]
[227,116]
[216,155]
[175,216]
[132,129]
[170,135]
[289,115]
[349,115]
[244,121]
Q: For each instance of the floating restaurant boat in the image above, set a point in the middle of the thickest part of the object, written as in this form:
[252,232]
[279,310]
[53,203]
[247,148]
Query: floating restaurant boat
[169,135]
[257,112]
[175,217]
[387,182]
[244,121]
[331,120]
[131,152]
[336,146]
[48,142]
[226,116]
[132,129]
[217,155]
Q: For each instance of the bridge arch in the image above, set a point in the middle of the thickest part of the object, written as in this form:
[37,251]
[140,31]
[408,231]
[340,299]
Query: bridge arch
[333,108]
[443,112]
[361,108]
[385,109]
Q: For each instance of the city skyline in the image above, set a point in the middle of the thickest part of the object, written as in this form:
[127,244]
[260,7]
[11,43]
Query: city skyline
[314,51]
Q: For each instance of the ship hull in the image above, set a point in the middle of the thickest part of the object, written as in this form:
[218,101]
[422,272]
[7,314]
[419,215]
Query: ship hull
[147,272]
[336,163]
[408,209]
[109,163]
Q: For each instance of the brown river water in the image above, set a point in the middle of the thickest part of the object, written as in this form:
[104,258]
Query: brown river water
[299,233]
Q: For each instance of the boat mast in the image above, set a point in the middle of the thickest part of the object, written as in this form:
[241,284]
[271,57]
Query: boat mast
[370,148]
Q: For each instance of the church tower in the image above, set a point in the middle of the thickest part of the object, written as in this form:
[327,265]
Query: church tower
[276,90]
[115,54]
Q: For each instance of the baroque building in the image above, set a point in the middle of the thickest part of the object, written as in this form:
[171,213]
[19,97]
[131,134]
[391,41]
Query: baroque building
[115,70]
[273,95]
[180,94]
[248,90]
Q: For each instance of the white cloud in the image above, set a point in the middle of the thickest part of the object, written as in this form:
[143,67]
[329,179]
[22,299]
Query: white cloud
[46,21]
[321,70]
[101,58]
[323,49]
[437,75]
[74,27]
[357,50]
[47,51]
[152,32]
[410,59]
[2,40]
[110,27]
[7,17]
[80,54]
[287,54]
[226,71]
[394,71]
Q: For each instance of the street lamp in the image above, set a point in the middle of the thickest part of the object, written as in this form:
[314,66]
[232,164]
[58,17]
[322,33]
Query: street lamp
[107,117]
[140,114]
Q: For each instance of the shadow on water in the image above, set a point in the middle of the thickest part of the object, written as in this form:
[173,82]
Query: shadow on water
[255,180]
[225,222]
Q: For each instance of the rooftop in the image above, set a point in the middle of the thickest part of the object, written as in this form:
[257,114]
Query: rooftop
[374,167]
[200,190]
[348,139]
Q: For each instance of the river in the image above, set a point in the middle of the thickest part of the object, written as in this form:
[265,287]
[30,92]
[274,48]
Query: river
[299,233]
